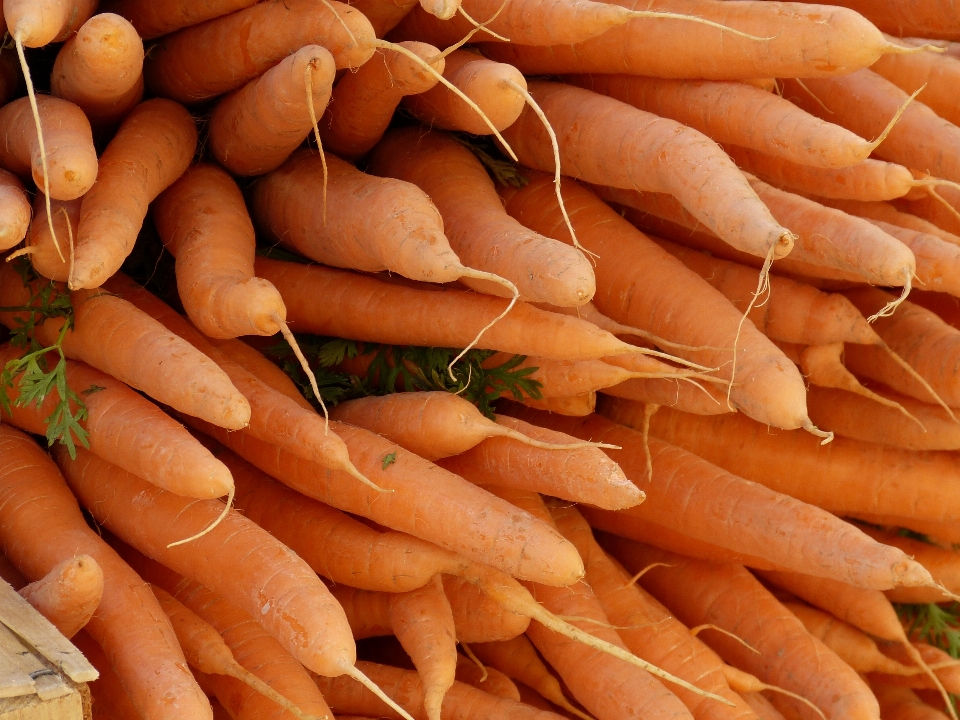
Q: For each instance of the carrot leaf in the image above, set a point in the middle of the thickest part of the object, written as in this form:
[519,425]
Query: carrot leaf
[938,625]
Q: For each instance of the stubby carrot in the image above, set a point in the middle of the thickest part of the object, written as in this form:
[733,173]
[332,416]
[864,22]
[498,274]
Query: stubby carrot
[14,210]
[35,24]
[68,595]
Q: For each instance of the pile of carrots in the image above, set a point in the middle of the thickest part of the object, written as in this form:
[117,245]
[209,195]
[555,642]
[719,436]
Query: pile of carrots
[469,359]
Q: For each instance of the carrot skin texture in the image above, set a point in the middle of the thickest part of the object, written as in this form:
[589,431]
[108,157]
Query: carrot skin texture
[253,130]
[287,597]
[153,18]
[129,623]
[71,157]
[234,49]
[69,594]
[453,320]
[14,210]
[152,148]
[107,694]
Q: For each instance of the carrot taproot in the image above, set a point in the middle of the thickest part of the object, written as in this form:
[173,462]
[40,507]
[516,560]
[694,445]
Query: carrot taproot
[14,210]
[203,222]
[462,701]
[750,120]
[647,627]
[223,53]
[648,47]
[363,102]
[582,475]
[36,505]
[278,588]
[405,235]
[729,597]
[100,69]
[480,232]
[109,700]
[253,130]
[115,337]
[71,159]
[68,595]
[479,618]
[851,477]
[935,74]
[941,562]
[153,18]
[488,679]
[380,312]
[434,425]
[899,703]
[768,387]
[608,142]
[255,362]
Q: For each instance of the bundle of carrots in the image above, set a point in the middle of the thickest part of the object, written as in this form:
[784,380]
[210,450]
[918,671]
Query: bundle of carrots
[350,368]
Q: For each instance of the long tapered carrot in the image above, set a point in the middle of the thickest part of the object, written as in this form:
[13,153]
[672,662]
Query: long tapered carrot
[100,69]
[363,102]
[68,595]
[381,312]
[767,386]
[153,18]
[254,129]
[37,505]
[222,54]
[131,175]
[14,210]
[728,596]
[480,232]
[941,562]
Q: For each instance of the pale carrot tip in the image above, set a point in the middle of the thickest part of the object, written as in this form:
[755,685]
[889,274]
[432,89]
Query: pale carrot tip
[814,430]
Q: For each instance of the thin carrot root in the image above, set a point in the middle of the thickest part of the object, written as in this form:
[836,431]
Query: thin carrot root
[526,440]
[238,672]
[21,252]
[919,378]
[648,410]
[700,387]
[898,49]
[211,526]
[372,687]
[451,87]
[648,568]
[780,690]
[482,26]
[73,255]
[480,275]
[888,309]
[308,82]
[814,430]
[528,99]
[600,623]
[43,149]
[476,661]
[292,342]
[698,20]
[707,626]
[893,121]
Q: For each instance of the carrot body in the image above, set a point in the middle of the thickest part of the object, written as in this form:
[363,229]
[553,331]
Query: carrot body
[737,114]
[482,234]
[483,81]
[943,564]
[203,222]
[69,594]
[910,18]
[14,210]
[935,74]
[804,42]
[936,258]
[71,157]
[933,210]
[255,362]
[890,214]
[153,18]
[44,256]
[676,394]
[490,680]
[36,505]
[36,24]
[768,388]
[109,698]
[222,54]
[763,708]
[608,142]
[899,703]
[254,129]
[363,102]
[477,616]
[381,312]
[152,148]
[573,406]
[100,69]
[729,597]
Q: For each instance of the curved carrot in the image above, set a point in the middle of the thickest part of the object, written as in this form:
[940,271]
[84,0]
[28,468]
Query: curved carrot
[68,595]
[253,130]
[14,210]
[153,18]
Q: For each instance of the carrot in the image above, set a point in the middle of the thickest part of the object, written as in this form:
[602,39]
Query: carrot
[851,477]
[478,618]
[115,337]
[461,703]
[36,505]
[100,69]
[277,588]
[380,312]
[947,671]
[683,396]
[890,214]
[411,243]
[935,257]
[647,627]
[254,649]
[941,562]
[46,255]
[573,406]
[268,373]
[898,703]
[71,159]
[35,24]
[582,475]
[205,60]
[736,114]
[488,679]
[206,651]
[480,232]
[941,210]
[798,42]
[608,142]
[434,425]
[767,387]
[153,18]
[110,701]
[935,19]
[68,595]
[763,708]
[14,210]
[253,130]
[363,102]
[729,597]
[929,71]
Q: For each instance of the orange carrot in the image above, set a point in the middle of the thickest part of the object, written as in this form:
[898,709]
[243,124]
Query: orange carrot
[14,210]
[676,394]
[947,669]
[255,362]
[488,679]
[110,700]
[153,18]
[35,24]
[573,406]
[934,73]
[763,708]
[943,564]
[46,258]
[941,211]
[100,69]
[936,258]
[477,617]
[899,703]
[68,595]
[890,214]
[254,129]
[919,19]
